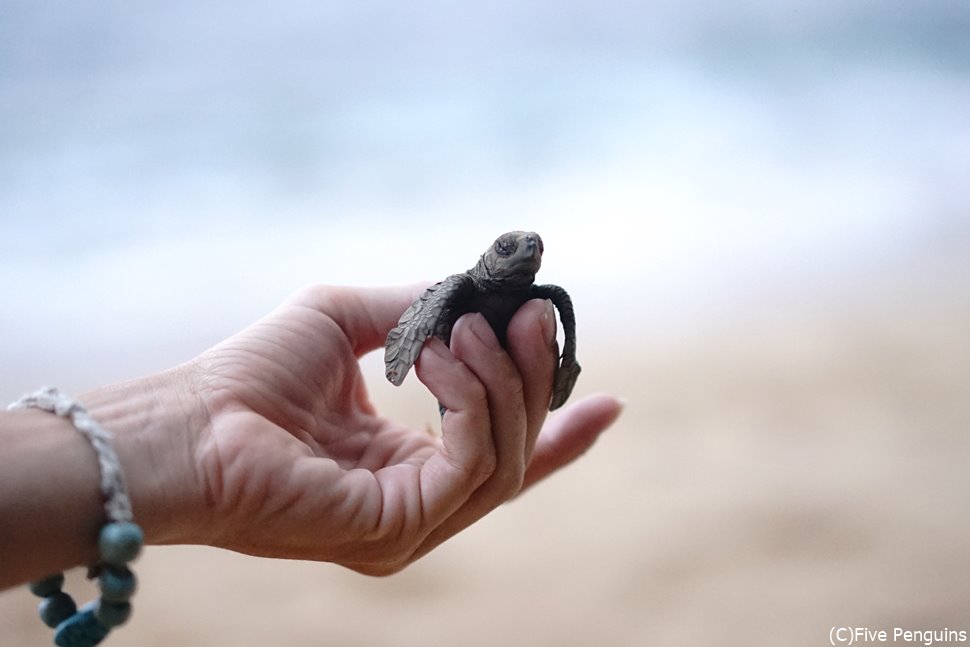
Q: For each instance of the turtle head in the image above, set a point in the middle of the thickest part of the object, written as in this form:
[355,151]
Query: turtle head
[513,259]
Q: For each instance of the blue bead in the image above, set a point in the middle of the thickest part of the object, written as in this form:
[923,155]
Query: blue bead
[112,614]
[56,608]
[120,542]
[80,630]
[117,583]
[47,586]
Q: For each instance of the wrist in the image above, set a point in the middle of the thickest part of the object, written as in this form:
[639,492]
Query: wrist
[156,422]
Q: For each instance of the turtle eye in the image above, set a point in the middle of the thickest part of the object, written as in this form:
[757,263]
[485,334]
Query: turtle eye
[505,246]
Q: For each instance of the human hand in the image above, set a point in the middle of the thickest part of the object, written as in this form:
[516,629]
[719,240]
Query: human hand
[289,458]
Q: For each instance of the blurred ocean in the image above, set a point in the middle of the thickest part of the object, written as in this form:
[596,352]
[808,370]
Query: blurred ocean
[169,171]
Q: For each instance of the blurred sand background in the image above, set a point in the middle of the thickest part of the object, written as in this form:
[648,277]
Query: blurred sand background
[760,211]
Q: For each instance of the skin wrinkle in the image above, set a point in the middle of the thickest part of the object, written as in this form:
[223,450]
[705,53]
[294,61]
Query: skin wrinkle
[362,529]
[157,460]
[226,474]
[343,503]
[381,535]
[257,491]
[347,452]
[309,330]
[268,407]
[407,451]
[297,501]
[277,409]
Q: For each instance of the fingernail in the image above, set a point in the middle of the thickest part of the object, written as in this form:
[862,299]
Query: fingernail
[484,332]
[548,322]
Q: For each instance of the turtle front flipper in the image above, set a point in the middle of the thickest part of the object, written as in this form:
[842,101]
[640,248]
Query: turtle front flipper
[568,369]
[424,318]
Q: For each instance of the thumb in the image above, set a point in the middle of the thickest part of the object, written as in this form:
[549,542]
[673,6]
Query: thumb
[364,314]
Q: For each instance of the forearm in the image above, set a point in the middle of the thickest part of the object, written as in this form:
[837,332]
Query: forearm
[50,498]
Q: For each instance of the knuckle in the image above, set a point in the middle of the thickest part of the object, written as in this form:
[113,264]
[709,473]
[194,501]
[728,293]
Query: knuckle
[312,294]
[516,388]
[387,558]
[483,467]
[379,569]
[509,482]
[476,395]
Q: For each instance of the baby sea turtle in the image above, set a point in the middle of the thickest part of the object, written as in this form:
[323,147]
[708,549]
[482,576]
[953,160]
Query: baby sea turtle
[501,281]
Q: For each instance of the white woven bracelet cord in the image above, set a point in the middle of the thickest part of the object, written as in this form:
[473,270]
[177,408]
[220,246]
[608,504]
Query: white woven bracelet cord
[117,505]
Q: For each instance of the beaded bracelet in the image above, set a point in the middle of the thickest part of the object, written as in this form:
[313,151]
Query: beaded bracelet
[119,542]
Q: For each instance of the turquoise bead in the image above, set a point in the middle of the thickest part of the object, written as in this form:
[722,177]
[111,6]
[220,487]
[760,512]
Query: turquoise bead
[117,584]
[112,614]
[56,608]
[80,630]
[47,586]
[120,542]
